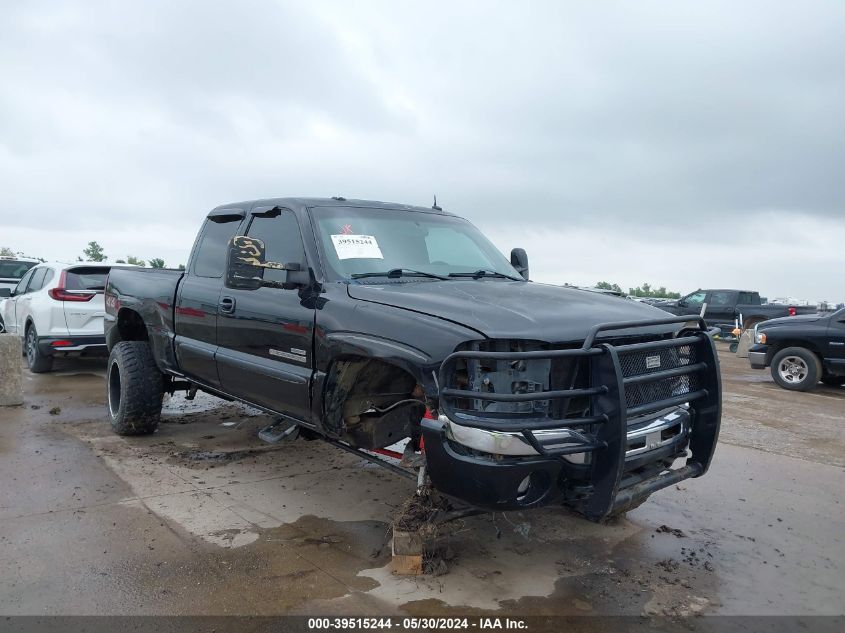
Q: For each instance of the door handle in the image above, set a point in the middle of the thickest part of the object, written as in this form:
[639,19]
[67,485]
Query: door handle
[227,305]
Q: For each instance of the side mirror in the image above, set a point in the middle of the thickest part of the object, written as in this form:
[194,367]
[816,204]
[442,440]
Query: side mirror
[5,293]
[519,260]
[244,263]
[245,266]
[682,303]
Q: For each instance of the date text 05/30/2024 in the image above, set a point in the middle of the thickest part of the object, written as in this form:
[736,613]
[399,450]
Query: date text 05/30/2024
[412,624]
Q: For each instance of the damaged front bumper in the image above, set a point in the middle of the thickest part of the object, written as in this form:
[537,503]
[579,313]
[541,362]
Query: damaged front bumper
[600,464]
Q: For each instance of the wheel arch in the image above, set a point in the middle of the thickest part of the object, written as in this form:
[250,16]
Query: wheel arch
[355,383]
[128,326]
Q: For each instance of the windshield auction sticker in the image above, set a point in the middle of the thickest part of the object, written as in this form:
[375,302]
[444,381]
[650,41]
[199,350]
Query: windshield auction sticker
[356,247]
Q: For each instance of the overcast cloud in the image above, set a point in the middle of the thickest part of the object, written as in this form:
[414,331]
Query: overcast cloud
[685,144]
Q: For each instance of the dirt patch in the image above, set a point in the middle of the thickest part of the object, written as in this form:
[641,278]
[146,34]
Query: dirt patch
[665,529]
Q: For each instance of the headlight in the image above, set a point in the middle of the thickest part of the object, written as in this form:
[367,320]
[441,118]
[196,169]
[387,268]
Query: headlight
[759,337]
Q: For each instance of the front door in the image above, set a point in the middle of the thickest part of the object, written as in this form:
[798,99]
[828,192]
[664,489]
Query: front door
[721,308]
[196,303]
[836,340]
[265,336]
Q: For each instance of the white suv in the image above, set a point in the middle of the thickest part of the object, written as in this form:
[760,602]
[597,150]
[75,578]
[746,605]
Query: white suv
[12,269]
[57,309]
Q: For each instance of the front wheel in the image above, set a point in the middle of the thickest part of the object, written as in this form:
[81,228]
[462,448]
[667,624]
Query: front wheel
[135,388]
[796,368]
[37,362]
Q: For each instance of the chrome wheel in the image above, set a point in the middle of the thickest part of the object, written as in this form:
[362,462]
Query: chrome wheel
[793,369]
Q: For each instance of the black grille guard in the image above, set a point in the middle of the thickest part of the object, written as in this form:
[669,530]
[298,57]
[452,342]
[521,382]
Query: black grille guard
[611,406]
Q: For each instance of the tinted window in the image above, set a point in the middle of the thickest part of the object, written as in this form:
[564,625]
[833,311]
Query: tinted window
[210,260]
[283,243]
[86,278]
[38,279]
[22,283]
[13,269]
[718,298]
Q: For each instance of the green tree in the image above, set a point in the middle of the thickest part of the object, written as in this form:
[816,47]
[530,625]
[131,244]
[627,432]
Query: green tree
[131,259]
[6,251]
[94,253]
[157,262]
[603,285]
[120,261]
[181,266]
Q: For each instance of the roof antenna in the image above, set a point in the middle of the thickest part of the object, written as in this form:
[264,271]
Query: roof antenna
[434,206]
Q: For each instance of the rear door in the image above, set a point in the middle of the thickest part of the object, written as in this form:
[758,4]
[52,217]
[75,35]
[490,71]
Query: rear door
[84,317]
[10,306]
[24,304]
[198,295]
[265,338]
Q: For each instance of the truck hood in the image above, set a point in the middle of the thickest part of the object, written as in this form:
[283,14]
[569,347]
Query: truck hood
[512,309]
[791,320]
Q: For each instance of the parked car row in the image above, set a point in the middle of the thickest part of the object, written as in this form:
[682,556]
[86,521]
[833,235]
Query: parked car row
[725,308]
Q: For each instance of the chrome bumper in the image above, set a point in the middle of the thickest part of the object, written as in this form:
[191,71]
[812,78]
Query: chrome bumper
[757,360]
[642,437]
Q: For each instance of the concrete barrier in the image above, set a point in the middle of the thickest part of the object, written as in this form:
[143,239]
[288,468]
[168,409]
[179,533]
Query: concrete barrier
[11,385]
[746,340]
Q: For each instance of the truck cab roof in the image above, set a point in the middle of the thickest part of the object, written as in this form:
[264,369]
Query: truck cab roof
[302,203]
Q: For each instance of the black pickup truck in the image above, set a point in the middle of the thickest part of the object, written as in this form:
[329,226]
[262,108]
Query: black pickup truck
[802,351]
[727,307]
[366,323]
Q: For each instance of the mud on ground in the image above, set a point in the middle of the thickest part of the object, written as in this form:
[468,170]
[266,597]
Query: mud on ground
[202,517]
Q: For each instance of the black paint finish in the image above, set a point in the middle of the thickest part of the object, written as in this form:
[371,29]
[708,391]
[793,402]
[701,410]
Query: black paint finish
[274,347]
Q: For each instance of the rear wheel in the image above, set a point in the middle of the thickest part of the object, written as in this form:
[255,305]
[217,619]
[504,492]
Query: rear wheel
[37,362]
[796,368]
[135,388]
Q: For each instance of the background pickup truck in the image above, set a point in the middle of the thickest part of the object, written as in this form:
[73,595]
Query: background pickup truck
[724,307]
[367,323]
[802,351]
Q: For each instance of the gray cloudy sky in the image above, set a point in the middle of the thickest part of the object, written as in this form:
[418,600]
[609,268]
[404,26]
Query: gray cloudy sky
[681,143]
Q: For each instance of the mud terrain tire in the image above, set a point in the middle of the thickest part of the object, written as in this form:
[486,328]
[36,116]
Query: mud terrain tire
[134,389]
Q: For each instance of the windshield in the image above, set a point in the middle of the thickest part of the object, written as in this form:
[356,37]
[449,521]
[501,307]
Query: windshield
[357,241]
[13,269]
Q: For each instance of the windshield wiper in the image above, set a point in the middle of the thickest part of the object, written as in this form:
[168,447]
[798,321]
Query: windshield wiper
[485,272]
[395,273]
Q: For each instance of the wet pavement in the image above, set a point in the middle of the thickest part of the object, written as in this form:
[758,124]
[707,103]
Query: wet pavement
[203,518]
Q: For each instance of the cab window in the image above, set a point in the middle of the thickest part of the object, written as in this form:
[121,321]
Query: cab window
[696,298]
[720,299]
[210,259]
[279,230]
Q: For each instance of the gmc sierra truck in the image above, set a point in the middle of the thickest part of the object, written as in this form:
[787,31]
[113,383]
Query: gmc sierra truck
[367,323]
[727,307]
